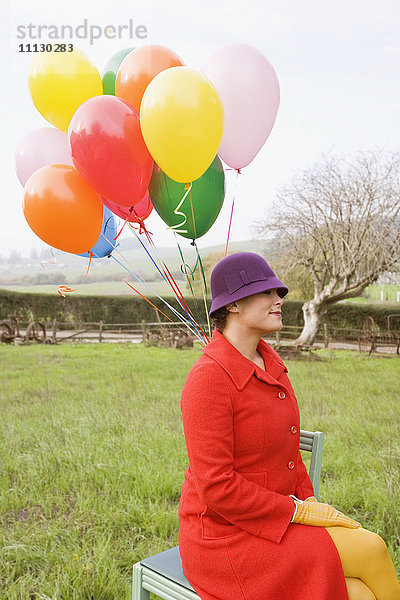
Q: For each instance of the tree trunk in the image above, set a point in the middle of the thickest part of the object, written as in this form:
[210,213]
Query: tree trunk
[313,313]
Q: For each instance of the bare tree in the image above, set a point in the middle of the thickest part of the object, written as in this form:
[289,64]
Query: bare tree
[338,221]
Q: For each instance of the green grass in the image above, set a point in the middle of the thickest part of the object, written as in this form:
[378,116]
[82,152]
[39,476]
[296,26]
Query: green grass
[373,294]
[92,458]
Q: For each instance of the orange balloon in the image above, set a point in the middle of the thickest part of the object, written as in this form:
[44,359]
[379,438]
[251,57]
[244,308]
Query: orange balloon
[62,209]
[139,68]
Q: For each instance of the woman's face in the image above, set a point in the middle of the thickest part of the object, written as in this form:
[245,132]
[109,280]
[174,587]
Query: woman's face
[260,312]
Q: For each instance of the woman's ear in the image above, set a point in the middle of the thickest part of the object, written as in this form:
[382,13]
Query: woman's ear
[232,307]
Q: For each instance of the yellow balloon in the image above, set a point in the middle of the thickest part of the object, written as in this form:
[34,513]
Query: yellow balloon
[60,81]
[182,122]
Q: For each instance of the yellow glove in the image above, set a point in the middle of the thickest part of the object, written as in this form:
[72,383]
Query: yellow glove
[311,499]
[321,515]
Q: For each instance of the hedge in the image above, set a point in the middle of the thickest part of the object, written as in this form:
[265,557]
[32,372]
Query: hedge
[127,309]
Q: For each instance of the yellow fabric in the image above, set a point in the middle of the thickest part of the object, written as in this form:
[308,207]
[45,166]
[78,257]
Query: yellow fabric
[365,558]
[322,515]
[357,589]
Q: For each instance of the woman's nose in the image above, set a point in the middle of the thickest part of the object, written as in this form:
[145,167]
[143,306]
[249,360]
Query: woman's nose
[277,299]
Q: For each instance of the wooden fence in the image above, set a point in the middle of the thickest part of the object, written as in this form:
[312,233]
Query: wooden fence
[62,332]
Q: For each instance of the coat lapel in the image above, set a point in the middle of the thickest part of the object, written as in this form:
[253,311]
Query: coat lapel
[273,362]
[241,369]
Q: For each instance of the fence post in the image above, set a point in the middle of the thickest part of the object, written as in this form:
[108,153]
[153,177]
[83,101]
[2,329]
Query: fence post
[54,331]
[326,338]
[101,324]
[144,330]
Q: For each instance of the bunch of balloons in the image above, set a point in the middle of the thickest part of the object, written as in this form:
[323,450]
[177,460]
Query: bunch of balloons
[151,132]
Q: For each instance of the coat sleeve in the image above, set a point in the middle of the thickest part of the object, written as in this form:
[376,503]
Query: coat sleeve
[304,487]
[207,413]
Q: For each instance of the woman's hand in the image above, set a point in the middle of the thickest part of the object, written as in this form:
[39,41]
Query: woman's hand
[321,515]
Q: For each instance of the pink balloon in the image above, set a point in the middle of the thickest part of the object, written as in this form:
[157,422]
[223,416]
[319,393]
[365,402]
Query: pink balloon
[249,90]
[140,210]
[40,148]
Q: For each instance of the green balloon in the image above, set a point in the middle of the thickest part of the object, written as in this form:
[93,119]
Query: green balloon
[111,69]
[207,194]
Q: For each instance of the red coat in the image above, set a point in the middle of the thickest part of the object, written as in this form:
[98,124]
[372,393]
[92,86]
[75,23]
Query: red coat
[242,429]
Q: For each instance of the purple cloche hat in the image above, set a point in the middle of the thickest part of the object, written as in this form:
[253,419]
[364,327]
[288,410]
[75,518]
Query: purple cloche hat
[239,275]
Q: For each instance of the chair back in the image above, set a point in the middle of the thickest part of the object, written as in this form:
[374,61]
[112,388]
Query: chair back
[313,441]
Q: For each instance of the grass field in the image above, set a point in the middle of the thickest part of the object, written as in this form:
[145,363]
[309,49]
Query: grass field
[92,458]
[373,294]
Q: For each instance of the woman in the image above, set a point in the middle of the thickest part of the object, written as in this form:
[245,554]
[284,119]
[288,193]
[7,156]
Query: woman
[250,527]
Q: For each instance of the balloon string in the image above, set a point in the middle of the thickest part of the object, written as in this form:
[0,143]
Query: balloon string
[233,204]
[180,317]
[142,226]
[204,287]
[163,275]
[148,253]
[186,267]
[229,229]
[125,222]
[195,303]
[160,311]
[169,279]
[175,286]
[61,288]
[50,262]
[148,287]
[193,219]
[188,187]
[64,288]
[147,300]
[143,229]
[176,290]
[90,261]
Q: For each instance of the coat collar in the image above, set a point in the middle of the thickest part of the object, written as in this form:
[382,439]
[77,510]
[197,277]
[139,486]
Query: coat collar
[239,368]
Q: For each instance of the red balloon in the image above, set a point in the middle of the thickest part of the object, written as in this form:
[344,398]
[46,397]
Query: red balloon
[108,149]
[139,212]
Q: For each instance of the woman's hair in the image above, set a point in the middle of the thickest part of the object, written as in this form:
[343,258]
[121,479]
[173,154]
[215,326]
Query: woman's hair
[218,319]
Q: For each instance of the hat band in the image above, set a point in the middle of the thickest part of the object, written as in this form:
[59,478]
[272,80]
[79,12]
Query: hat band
[235,281]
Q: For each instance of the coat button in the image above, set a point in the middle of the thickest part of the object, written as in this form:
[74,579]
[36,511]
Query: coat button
[293,429]
[281,395]
[291,465]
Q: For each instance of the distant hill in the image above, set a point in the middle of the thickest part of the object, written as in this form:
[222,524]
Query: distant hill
[130,256]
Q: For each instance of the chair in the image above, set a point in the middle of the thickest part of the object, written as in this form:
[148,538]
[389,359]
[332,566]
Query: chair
[162,573]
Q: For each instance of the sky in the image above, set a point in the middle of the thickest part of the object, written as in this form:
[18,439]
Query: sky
[337,62]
